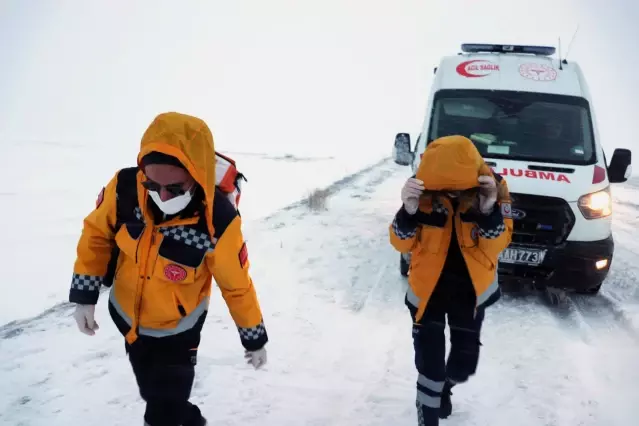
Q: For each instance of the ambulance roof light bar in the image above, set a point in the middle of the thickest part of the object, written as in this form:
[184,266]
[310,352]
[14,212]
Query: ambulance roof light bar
[505,48]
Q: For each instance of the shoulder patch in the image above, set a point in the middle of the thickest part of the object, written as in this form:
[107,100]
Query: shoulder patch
[100,198]
[506,210]
[243,255]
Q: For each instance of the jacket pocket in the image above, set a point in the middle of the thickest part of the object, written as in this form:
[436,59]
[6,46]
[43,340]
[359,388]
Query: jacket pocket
[428,246]
[482,261]
[430,239]
[174,287]
[127,241]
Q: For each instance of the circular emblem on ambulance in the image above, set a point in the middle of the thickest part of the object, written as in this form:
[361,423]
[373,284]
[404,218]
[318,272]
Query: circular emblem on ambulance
[174,272]
[538,72]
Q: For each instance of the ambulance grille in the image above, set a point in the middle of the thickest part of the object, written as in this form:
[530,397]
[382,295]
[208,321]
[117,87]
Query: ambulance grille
[541,220]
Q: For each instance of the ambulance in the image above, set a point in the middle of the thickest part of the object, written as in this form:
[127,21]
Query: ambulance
[531,117]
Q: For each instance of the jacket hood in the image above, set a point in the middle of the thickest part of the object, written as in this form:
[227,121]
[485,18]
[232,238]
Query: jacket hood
[451,163]
[190,140]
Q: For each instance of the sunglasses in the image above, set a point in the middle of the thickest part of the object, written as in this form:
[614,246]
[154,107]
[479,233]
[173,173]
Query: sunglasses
[174,189]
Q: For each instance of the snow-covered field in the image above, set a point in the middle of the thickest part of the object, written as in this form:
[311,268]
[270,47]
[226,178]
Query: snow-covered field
[328,281]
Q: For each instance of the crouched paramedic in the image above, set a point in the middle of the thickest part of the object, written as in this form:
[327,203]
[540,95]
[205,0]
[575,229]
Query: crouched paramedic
[455,220]
[175,230]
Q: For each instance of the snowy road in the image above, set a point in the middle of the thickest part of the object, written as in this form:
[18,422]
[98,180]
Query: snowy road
[341,350]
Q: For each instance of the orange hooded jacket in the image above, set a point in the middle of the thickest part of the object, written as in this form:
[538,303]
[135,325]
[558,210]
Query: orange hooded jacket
[164,272]
[452,163]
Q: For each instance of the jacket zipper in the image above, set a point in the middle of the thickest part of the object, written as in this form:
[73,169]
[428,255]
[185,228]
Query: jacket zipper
[145,275]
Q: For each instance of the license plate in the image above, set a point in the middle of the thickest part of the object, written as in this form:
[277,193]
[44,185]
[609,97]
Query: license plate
[522,256]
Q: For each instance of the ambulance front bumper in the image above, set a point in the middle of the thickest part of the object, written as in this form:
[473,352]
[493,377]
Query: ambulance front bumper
[572,265]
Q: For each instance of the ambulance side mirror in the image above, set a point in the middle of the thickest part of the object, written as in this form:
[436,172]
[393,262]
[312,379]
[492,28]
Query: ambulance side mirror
[401,150]
[620,167]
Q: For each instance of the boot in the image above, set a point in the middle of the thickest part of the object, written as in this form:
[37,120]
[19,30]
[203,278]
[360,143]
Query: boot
[196,418]
[426,416]
[199,422]
[446,407]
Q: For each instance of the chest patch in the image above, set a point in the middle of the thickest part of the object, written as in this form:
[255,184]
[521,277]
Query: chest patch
[174,272]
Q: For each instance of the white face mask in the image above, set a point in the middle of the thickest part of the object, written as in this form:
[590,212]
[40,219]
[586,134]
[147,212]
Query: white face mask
[174,205]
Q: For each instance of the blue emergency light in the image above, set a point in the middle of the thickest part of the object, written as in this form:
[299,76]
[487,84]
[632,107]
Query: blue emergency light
[507,48]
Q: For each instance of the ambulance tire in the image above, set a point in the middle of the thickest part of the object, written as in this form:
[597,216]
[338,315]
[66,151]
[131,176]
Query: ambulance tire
[403,266]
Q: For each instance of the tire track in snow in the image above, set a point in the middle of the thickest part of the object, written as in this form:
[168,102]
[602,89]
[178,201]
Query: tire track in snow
[570,317]
[335,257]
[540,361]
[603,313]
[391,336]
[584,357]
[355,239]
[380,295]
[590,315]
[592,325]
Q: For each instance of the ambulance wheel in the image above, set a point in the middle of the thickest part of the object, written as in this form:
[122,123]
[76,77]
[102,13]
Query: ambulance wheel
[403,266]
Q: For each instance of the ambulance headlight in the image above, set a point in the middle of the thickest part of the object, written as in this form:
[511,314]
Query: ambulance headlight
[596,205]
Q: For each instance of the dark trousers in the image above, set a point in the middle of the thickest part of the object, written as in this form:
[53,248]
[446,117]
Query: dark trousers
[429,342]
[165,375]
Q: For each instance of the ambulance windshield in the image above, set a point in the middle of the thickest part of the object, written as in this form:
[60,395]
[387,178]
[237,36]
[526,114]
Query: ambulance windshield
[517,125]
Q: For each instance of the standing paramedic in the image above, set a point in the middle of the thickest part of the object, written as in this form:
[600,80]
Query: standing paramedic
[175,231]
[455,220]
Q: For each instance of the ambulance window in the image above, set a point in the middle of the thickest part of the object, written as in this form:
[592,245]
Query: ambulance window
[517,125]
[472,108]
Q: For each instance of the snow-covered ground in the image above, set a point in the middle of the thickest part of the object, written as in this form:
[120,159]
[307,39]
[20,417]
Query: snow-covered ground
[340,350]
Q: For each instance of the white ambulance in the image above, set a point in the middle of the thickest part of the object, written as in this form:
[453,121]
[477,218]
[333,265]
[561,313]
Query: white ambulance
[531,117]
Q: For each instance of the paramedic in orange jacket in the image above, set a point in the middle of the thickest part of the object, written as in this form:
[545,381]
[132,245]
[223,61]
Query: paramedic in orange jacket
[455,220]
[177,233]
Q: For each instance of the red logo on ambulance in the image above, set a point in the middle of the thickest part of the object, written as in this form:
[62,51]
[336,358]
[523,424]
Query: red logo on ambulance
[476,68]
